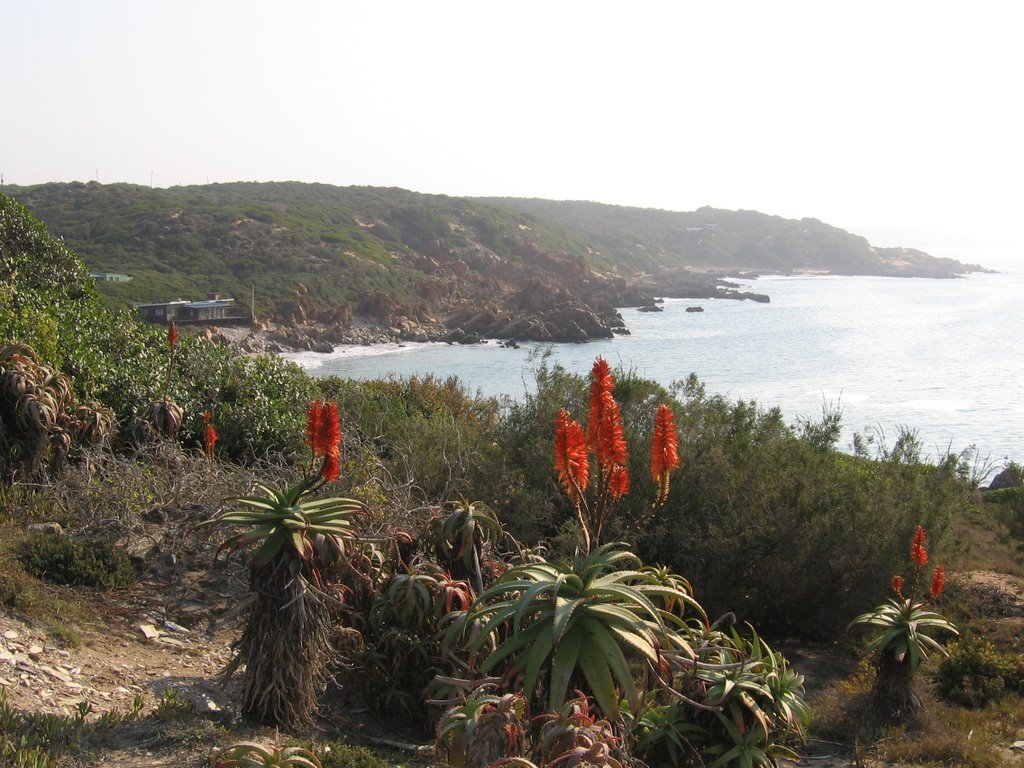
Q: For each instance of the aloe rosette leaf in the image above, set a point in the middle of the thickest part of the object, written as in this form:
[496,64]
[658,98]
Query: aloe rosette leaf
[280,518]
[579,623]
[906,628]
[249,754]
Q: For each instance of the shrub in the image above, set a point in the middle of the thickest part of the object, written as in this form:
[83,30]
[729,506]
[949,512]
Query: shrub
[86,563]
[755,508]
[340,755]
[16,588]
[976,672]
[426,433]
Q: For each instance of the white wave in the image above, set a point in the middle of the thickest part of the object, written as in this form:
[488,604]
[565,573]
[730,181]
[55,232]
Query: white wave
[312,360]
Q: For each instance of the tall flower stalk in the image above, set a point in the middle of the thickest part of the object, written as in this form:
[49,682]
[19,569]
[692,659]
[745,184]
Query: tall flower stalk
[597,457]
[165,416]
[172,346]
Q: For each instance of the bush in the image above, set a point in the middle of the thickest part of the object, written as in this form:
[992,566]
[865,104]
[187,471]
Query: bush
[789,536]
[756,508]
[16,589]
[88,563]
[1009,503]
[977,672]
[340,755]
[427,434]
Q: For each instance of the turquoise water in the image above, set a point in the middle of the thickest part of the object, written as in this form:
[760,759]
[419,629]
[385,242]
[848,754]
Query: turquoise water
[939,356]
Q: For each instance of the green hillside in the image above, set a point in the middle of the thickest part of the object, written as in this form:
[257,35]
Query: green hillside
[314,250]
[643,239]
[331,244]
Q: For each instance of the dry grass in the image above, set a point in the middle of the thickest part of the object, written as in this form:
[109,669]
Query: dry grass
[949,735]
[113,491]
[941,734]
[978,539]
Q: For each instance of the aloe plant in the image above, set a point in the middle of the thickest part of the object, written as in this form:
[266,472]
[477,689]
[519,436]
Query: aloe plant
[286,643]
[756,698]
[459,538]
[904,628]
[249,754]
[581,625]
[313,529]
[576,736]
[40,422]
[485,728]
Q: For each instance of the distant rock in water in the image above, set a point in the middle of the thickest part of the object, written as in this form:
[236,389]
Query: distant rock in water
[1008,478]
[650,308]
[695,309]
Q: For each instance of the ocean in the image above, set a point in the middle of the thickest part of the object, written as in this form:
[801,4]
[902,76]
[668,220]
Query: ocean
[941,357]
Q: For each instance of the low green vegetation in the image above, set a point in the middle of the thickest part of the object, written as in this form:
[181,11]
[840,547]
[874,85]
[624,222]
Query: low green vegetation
[81,563]
[977,672]
[525,587]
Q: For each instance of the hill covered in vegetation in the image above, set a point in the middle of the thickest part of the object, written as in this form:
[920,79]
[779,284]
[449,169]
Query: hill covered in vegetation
[432,266]
[651,240]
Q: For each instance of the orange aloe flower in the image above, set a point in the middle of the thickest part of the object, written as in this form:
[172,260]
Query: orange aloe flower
[897,585]
[172,334]
[610,437]
[664,443]
[323,435]
[209,434]
[938,581]
[332,465]
[918,554]
[601,381]
[330,429]
[210,439]
[618,483]
[571,461]
[314,415]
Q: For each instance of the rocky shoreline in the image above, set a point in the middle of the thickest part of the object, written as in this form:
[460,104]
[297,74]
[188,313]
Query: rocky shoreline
[539,313]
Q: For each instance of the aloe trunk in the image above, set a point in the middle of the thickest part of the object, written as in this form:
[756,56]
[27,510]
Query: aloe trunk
[286,645]
[893,689]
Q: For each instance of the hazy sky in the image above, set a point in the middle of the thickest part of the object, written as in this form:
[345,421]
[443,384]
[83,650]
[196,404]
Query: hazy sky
[900,120]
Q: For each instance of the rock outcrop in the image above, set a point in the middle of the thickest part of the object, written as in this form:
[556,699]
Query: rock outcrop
[1010,477]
